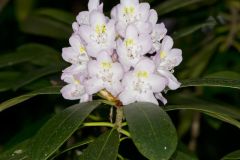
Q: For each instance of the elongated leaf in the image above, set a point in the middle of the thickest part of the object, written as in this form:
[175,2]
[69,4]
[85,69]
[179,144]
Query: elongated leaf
[23,8]
[194,68]
[189,30]
[36,53]
[57,14]
[172,5]
[18,152]
[232,156]
[9,103]
[152,130]
[224,74]
[179,155]
[59,128]
[43,26]
[209,110]
[6,80]
[189,100]
[79,144]
[104,147]
[212,82]
[34,75]
[42,55]
[14,58]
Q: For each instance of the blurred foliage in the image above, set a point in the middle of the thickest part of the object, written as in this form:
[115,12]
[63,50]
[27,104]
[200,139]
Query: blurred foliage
[208,31]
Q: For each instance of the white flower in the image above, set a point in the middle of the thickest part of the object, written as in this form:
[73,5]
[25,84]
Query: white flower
[141,83]
[99,35]
[83,17]
[129,12]
[75,76]
[114,54]
[158,32]
[134,46]
[166,59]
[104,74]
[77,52]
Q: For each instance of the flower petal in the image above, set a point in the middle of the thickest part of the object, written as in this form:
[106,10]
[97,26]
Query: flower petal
[129,2]
[114,88]
[144,9]
[85,98]
[160,31]
[118,71]
[145,64]
[72,91]
[175,56]
[69,55]
[114,12]
[161,98]
[127,97]
[75,42]
[145,42]
[93,4]
[75,27]
[131,32]
[153,17]
[97,18]
[83,18]
[104,56]
[93,68]
[85,32]
[147,97]
[172,82]
[143,27]
[157,82]
[167,44]
[93,85]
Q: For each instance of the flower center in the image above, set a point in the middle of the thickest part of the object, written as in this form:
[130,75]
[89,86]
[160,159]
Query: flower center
[142,74]
[129,14]
[100,29]
[129,42]
[129,10]
[163,54]
[106,65]
[82,50]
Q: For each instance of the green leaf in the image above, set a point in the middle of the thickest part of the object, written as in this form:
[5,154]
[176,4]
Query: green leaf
[23,8]
[58,129]
[10,59]
[211,110]
[152,130]
[224,74]
[42,55]
[232,156]
[34,75]
[179,155]
[9,103]
[104,147]
[57,14]
[212,82]
[35,53]
[189,30]
[74,146]
[18,152]
[47,27]
[172,5]
[189,100]
[193,68]
[7,80]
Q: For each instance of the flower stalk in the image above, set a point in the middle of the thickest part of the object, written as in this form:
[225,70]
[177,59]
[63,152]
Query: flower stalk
[119,118]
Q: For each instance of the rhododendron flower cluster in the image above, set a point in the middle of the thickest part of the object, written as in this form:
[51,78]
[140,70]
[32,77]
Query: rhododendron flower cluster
[129,54]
